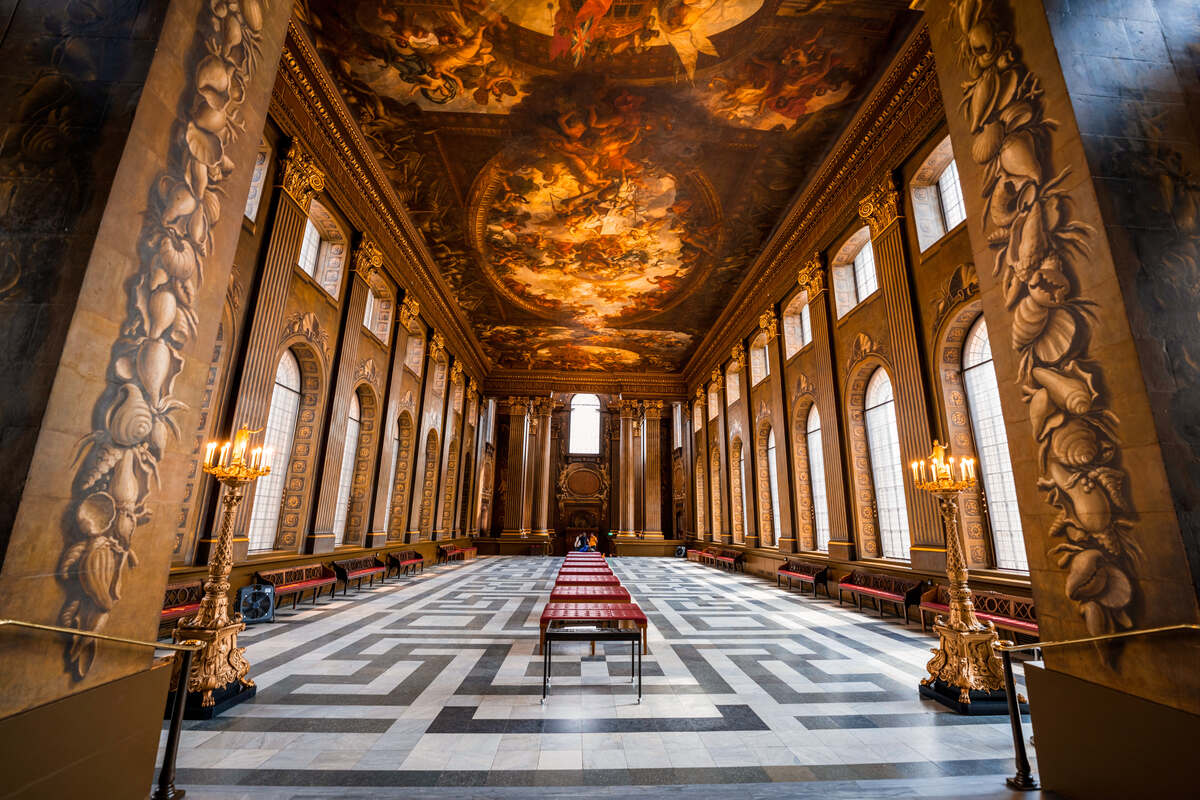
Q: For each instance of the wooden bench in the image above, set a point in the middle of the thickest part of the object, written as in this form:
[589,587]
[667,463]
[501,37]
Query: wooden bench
[449,552]
[900,592]
[1007,612]
[357,569]
[295,581]
[180,600]
[612,614]
[812,573]
[694,554]
[404,561]
[731,560]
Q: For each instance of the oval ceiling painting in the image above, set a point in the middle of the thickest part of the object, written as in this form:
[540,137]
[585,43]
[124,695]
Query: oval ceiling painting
[591,216]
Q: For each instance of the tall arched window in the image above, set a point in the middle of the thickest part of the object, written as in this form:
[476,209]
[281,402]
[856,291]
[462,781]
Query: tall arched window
[391,476]
[346,476]
[585,425]
[883,442]
[281,429]
[991,442]
[816,479]
[773,487]
[797,325]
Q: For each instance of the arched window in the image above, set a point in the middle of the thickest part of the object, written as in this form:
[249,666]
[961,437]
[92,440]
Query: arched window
[322,249]
[853,271]
[391,476]
[937,200]
[950,196]
[797,325]
[369,311]
[346,477]
[414,354]
[281,429]
[816,478]
[773,487]
[991,442]
[760,362]
[883,443]
[733,385]
[585,425]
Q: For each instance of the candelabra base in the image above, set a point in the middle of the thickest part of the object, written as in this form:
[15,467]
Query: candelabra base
[993,703]
[224,699]
[965,674]
[220,664]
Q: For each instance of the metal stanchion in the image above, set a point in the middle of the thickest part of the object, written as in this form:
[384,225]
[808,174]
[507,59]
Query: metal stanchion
[166,776]
[1023,781]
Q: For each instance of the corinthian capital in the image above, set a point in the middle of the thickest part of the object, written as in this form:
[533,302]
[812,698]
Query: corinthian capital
[738,355]
[881,207]
[518,406]
[653,408]
[367,260]
[409,309]
[301,178]
[812,276]
[768,323]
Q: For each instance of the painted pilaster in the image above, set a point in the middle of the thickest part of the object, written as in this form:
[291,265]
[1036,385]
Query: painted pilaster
[518,434]
[652,436]
[628,470]
[543,407]
[785,537]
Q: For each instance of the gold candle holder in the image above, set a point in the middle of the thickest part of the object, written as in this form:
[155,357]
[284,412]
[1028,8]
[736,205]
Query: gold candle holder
[222,662]
[964,658]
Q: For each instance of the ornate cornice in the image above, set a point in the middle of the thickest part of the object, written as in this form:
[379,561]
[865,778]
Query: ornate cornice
[666,386]
[901,110]
[881,207]
[306,102]
[812,276]
[302,179]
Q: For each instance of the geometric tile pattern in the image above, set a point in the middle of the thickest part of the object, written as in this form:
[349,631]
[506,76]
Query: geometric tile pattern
[433,681]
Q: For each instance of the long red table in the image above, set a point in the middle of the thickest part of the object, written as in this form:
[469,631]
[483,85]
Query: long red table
[591,613]
[590,594]
[587,580]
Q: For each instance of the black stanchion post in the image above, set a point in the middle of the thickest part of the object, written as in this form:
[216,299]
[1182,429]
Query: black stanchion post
[166,776]
[1023,781]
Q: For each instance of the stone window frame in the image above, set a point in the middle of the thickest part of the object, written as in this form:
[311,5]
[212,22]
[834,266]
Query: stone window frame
[760,359]
[700,469]
[865,518]
[380,309]
[842,273]
[928,203]
[301,465]
[717,514]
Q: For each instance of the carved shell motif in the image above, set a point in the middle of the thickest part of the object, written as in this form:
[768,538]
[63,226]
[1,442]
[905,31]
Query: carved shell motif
[119,460]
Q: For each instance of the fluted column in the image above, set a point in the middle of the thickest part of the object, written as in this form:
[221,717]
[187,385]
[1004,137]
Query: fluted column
[652,436]
[299,181]
[881,210]
[518,432]
[812,278]
[628,470]
[543,407]
[367,259]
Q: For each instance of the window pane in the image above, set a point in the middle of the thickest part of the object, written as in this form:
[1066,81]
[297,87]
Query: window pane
[995,465]
[341,508]
[759,365]
[391,479]
[310,248]
[883,442]
[257,177]
[796,332]
[950,191]
[585,424]
[369,312]
[773,488]
[281,428]
[864,273]
[816,475]
[805,325]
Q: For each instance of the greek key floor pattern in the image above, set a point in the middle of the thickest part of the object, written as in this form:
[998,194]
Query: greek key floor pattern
[430,686]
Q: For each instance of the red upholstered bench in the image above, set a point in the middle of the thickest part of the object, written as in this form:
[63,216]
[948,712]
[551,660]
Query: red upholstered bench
[358,569]
[806,572]
[1007,612]
[900,592]
[572,570]
[586,580]
[591,614]
[180,600]
[694,555]
[404,561]
[295,581]
[449,552]
[590,594]
[731,560]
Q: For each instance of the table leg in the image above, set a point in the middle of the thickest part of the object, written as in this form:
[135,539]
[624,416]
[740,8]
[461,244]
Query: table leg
[545,672]
[633,646]
[639,673]
[643,639]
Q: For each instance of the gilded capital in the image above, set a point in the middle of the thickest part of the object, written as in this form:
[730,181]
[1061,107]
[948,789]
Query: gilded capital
[881,207]
[629,408]
[716,380]
[473,386]
[437,347]
[738,356]
[543,406]
[518,406]
[409,310]
[456,372]
[367,260]
[699,394]
[653,408]
[812,276]
[301,178]
[768,323]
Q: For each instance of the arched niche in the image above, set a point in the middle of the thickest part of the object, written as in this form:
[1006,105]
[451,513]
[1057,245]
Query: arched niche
[405,434]
[802,485]
[737,489]
[429,483]
[360,485]
[850,286]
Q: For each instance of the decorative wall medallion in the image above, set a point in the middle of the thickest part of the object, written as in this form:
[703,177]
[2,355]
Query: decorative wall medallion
[860,348]
[1040,244]
[119,459]
[306,324]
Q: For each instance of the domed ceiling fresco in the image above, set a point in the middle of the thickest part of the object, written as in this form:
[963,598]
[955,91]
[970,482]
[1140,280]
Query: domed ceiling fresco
[594,177]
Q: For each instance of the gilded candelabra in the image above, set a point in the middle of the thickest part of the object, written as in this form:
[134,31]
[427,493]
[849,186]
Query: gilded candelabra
[222,662]
[964,658]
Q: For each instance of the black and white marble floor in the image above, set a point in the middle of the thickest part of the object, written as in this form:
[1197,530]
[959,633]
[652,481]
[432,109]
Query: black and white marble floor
[433,681]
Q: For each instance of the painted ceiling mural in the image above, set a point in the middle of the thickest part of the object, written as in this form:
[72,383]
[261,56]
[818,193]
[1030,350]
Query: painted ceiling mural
[594,177]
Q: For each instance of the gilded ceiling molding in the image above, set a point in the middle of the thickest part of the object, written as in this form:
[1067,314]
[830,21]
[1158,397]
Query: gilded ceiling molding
[881,207]
[1041,247]
[306,98]
[902,109]
[367,260]
[768,323]
[302,179]
[118,461]
[664,385]
[811,276]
